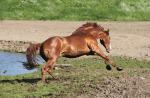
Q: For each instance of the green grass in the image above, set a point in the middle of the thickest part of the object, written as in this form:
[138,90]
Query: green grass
[75,10]
[72,81]
[12,50]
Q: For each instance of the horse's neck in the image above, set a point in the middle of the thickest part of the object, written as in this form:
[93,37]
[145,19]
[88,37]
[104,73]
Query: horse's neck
[102,35]
[82,29]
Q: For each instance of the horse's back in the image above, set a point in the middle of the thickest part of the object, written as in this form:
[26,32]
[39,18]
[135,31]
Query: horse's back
[77,46]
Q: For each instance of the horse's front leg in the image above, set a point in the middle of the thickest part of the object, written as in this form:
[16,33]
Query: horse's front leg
[107,65]
[97,50]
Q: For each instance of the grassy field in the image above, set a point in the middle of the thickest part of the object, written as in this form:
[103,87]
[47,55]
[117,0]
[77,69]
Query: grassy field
[72,81]
[75,10]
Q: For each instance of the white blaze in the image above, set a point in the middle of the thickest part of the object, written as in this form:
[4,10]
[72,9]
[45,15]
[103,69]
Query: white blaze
[110,47]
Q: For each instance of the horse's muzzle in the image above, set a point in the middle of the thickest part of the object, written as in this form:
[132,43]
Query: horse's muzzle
[108,50]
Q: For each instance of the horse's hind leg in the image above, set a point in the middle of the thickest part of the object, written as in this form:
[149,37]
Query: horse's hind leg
[44,70]
[48,67]
[51,68]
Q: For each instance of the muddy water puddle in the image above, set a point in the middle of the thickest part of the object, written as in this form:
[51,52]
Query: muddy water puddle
[12,64]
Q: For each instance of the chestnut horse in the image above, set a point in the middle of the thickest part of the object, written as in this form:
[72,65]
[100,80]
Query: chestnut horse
[83,41]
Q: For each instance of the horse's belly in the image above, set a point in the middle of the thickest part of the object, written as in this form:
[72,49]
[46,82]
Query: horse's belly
[75,52]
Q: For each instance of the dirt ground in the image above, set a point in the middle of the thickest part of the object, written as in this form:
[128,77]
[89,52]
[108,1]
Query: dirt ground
[121,87]
[130,39]
[127,39]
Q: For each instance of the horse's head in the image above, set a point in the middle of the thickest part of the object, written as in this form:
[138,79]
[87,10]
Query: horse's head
[105,40]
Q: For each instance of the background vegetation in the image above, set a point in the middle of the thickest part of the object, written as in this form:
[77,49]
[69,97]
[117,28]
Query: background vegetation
[75,10]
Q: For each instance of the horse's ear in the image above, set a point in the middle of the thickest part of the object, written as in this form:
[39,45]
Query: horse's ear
[107,31]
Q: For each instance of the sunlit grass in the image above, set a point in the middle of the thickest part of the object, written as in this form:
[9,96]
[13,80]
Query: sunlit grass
[75,10]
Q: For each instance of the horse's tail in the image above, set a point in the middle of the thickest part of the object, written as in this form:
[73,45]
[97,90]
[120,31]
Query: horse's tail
[31,54]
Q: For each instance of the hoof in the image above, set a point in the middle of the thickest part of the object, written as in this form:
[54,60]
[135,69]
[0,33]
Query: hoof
[119,69]
[108,67]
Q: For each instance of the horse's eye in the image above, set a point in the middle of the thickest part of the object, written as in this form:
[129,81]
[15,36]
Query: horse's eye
[102,42]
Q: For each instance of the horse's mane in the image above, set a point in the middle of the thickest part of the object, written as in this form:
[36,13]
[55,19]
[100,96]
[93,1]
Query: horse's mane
[89,25]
